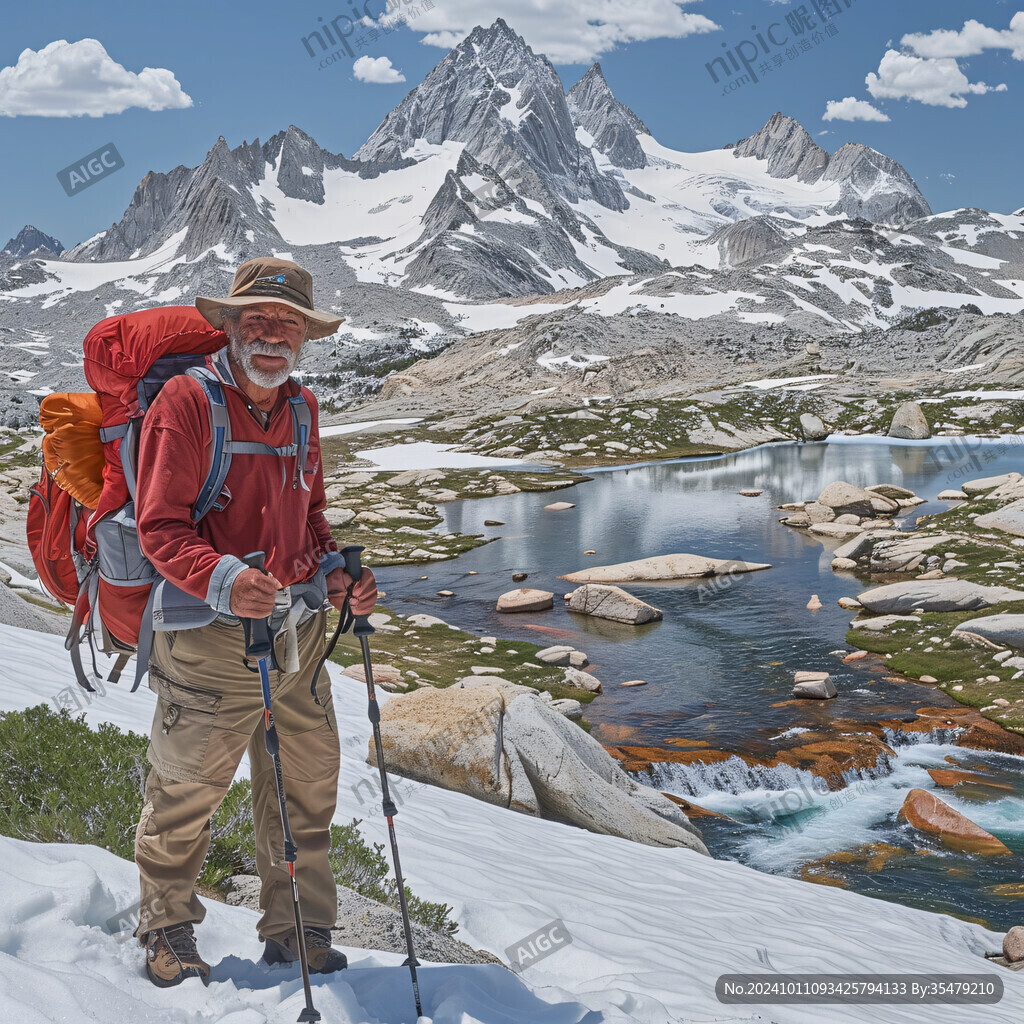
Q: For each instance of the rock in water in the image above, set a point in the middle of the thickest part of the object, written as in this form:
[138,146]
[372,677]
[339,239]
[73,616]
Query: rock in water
[909,423]
[846,499]
[663,567]
[504,745]
[816,685]
[606,602]
[814,604]
[812,428]
[925,811]
[526,600]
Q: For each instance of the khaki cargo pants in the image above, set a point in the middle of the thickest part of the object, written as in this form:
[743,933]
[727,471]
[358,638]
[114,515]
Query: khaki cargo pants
[209,712]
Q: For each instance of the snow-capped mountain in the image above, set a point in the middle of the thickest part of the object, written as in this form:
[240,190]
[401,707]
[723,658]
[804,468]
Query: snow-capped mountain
[30,240]
[489,196]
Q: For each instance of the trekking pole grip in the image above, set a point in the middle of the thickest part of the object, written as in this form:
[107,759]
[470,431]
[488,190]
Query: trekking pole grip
[354,567]
[257,635]
[353,563]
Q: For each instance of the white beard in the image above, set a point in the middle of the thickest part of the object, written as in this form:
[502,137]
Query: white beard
[242,354]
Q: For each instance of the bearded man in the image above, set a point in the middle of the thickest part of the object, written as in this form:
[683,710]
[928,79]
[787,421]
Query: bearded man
[209,707]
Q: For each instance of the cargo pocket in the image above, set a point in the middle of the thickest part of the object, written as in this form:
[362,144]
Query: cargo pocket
[182,725]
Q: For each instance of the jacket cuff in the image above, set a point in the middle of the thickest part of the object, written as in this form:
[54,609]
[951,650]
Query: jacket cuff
[218,594]
[331,560]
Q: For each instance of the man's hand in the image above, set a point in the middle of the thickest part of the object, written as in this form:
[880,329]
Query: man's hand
[364,596]
[252,594]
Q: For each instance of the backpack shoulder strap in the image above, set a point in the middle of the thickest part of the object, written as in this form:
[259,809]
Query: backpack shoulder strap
[220,429]
[302,427]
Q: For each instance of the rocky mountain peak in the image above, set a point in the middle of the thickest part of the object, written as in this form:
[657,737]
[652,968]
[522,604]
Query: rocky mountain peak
[872,186]
[875,186]
[29,240]
[507,105]
[613,126]
[787,147]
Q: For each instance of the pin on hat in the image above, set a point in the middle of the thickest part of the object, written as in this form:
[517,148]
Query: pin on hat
[272,280]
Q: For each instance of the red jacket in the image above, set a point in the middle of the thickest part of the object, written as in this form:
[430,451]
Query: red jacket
[264,511]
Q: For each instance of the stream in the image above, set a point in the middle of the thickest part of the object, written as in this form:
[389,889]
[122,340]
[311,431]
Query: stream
[726,651]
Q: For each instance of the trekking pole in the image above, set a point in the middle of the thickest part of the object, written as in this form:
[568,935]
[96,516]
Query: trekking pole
[258,645]
[362,629]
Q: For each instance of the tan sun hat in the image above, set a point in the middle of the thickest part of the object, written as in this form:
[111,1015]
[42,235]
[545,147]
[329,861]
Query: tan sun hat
[272,280]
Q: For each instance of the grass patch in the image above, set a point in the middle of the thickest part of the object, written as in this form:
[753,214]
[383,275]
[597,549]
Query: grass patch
[441,655]
[62,782]
[915,652]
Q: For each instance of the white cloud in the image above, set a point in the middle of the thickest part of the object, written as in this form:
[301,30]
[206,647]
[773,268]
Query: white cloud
[567,31]
[82,80]
[377,69]
[972,39]
[851,109]
[936,81]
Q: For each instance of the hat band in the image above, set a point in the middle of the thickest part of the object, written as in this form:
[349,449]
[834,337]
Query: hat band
[272,289]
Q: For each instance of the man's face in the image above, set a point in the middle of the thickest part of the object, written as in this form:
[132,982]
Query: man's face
[266,342]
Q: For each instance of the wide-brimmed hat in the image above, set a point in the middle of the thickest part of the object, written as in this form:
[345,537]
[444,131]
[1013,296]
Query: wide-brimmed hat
[272,280]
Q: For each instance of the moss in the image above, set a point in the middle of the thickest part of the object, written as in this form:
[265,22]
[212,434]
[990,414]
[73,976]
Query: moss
[441,656]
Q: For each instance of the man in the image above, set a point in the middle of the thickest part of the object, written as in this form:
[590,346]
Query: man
[209,709]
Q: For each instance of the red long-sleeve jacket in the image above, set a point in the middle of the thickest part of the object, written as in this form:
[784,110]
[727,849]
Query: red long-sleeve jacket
[262,511]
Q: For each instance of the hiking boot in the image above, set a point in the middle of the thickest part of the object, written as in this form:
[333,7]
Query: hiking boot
[322,957]
[171,956]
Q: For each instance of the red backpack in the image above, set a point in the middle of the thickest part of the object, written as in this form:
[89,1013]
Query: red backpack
[88,555]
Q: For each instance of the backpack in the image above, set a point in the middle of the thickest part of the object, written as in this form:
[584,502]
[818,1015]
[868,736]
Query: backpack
[81,518]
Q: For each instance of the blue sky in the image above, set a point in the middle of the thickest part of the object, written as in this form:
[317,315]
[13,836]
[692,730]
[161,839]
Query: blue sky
[952,92]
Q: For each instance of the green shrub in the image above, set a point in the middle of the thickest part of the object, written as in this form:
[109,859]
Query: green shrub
[63,782]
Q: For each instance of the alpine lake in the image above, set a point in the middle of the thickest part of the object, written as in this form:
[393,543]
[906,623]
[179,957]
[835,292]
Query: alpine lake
[719,666]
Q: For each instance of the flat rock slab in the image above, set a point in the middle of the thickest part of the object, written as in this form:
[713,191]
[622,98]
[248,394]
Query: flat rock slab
[559,506]
[988,483]
[663,567]
[838,531]
[935,596]
[1009,519]
[526,600]
[1007,630]
[606,602]
[891,491]
[882,621]
[925,811]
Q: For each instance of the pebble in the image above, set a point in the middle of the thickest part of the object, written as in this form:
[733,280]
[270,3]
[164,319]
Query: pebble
[855,656]
[634,682]
[518,577]
[590,552]
[442,593]
[928,679]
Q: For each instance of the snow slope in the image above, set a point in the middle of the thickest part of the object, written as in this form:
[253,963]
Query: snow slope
[652,929]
